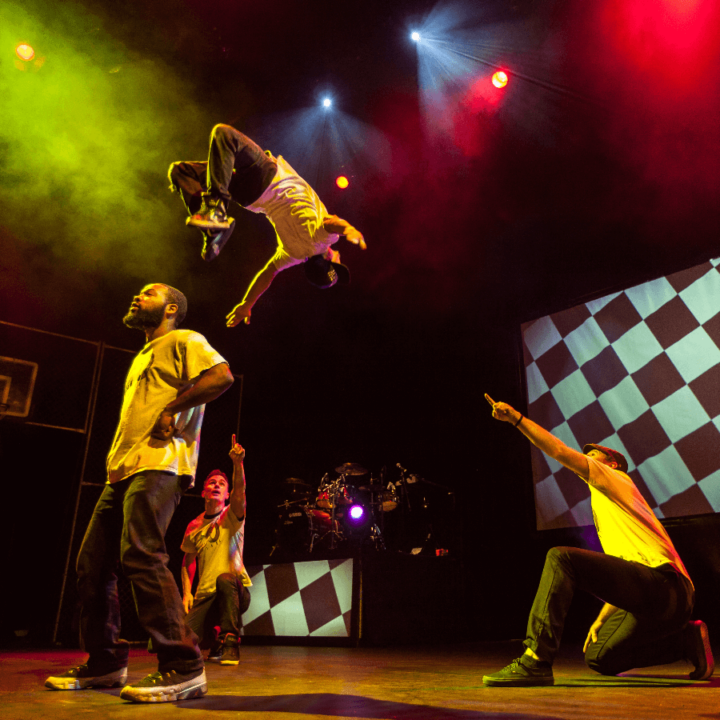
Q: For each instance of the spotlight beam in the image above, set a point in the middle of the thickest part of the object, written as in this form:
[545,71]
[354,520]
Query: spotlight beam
[560,89]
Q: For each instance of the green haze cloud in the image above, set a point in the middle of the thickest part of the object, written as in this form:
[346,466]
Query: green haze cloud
[86,139]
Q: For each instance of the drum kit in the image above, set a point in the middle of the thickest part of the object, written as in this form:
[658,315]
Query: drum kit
[341,512]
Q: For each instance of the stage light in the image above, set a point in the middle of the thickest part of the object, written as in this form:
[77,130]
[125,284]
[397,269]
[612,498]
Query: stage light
[499,79]
[356,512]
[342,182]
[25,52]
[415,36]
[327,102]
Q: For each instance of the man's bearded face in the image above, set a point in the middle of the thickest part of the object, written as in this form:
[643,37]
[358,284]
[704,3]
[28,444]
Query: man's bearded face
[144,318]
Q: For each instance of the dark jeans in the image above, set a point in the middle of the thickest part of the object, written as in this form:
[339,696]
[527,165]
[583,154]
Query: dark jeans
[213,617]
[656,604]
[128,525]
[237,169]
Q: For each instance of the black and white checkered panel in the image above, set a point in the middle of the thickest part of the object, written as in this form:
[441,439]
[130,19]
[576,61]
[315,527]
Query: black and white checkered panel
[638,371]
[302,599]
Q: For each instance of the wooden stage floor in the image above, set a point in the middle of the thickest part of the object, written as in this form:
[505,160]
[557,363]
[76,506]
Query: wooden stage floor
[301,683]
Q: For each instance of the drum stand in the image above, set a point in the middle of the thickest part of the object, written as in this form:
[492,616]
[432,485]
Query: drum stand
[376,536]
[334,492]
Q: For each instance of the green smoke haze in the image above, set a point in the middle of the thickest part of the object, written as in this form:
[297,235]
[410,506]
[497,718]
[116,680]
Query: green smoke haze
[87,132]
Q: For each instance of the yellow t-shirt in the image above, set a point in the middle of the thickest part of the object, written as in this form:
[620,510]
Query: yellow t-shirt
[159,373]
[626,525]
[218,543]
[297,213]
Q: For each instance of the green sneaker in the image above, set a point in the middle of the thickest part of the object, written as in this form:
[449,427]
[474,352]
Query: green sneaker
[523,672]
[230,650]
[166,687]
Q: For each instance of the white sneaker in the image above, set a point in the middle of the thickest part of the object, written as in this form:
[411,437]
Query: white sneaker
[79,678]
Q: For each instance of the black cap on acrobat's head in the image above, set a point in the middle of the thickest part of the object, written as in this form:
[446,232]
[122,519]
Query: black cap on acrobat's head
[618,457]
[324,274]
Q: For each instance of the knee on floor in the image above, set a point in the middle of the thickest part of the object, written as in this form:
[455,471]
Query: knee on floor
[601,662]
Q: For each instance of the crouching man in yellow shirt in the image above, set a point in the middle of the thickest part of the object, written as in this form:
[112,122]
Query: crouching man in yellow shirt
[213,544]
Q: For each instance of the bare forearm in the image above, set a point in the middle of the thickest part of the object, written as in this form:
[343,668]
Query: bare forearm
[553,446]
[187,575]
[541,438]
[237,494]
[335,224]
[213,383]
[260,283]
[606,611]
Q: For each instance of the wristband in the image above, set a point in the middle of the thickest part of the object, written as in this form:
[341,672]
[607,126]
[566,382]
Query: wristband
[520,419]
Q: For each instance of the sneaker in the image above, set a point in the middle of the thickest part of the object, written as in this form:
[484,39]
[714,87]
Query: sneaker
[167,687]
[230,650]
[698,651]
[211,216]
[523,672]
[215,241]
[79,678]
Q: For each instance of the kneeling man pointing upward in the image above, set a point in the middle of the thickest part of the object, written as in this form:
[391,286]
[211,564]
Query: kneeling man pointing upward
[646,589]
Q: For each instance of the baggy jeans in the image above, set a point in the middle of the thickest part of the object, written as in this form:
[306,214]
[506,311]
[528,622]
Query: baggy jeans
[655,605]
[128,526]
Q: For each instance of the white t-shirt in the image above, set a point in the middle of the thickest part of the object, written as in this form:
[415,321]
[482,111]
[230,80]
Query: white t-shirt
[218,543]
[626,525]
[158,374]
[297,213]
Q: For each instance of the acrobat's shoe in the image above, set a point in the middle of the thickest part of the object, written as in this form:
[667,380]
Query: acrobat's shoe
[215,242]
[167,687]
[211,216]
[79,678]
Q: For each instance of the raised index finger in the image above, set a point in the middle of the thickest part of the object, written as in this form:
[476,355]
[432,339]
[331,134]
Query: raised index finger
[234,442]
[489,399]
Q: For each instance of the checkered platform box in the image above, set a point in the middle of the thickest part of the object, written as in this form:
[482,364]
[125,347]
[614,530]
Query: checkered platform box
[302,599]
[638,371]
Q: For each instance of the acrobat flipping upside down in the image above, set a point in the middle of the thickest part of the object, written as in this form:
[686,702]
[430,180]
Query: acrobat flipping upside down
[237,169]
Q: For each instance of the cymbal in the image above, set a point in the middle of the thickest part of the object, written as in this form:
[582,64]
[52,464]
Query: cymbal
[288,503]
[296,481]
[296,492]
[351,469]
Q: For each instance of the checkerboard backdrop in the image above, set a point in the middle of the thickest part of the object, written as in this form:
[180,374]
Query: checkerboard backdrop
[302,599]
[638,371]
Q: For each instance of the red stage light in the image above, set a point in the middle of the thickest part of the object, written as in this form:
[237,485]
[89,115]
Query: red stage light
[499,79]
[25,52]
[342,182]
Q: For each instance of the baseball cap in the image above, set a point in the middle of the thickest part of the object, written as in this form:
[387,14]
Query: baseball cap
[324,274]
[618,457]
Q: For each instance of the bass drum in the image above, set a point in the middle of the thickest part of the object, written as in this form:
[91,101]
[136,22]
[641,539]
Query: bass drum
[300,530]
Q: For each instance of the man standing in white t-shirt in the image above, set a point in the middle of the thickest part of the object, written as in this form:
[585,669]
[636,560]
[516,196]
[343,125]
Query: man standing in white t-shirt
[238,169]
[213,545]
[151,463]
[646,589]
